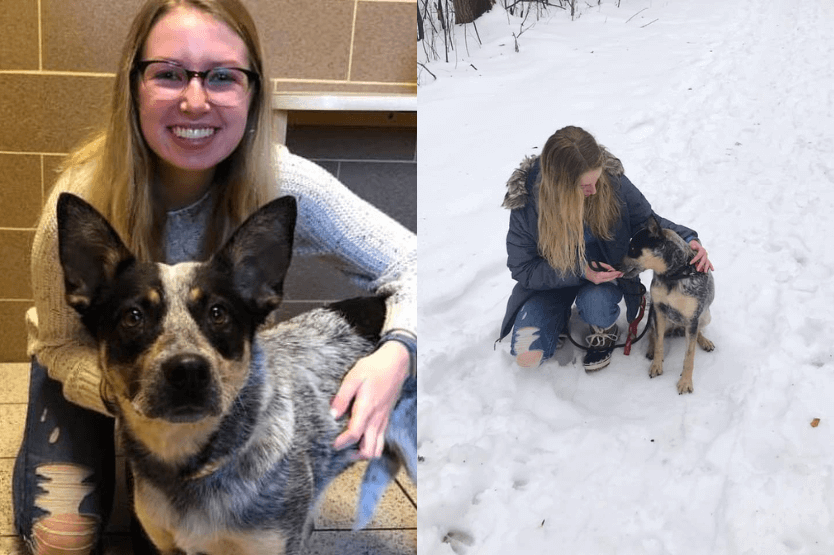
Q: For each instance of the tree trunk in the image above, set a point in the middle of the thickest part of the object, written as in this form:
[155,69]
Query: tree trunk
[467,11]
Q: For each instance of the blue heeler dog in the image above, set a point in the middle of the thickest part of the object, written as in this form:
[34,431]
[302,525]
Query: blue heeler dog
[223,415]
[681,295]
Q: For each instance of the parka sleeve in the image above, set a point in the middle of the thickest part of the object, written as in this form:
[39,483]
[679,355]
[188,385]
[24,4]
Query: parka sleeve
[640,211]
[527,266]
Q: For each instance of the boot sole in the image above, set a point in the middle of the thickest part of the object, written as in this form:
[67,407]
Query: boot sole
[597,366]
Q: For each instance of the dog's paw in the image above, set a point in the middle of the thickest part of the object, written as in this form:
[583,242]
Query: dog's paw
[650,354]
[705,343]
[656,369]
[685,386]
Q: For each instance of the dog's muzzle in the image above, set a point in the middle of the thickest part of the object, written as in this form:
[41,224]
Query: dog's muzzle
[629,273]
[186,391]
[629,268]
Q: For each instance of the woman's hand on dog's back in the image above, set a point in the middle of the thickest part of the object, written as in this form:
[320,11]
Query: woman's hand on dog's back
[701,260]
[373,384]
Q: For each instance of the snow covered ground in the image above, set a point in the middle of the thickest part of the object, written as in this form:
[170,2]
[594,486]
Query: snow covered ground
[723,115]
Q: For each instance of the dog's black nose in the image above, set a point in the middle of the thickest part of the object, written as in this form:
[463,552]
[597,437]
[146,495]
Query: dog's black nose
[187,372]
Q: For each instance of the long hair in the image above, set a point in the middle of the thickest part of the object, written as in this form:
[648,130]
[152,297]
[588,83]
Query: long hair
[564,211]
[124,166]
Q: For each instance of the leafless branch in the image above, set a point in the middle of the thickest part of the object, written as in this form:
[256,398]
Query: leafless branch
[427,69]
[635,15]
[438,17]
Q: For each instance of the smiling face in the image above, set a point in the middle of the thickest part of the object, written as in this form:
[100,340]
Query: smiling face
[188,133]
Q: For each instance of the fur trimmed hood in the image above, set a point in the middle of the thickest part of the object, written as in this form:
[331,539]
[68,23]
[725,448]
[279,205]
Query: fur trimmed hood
[517,191]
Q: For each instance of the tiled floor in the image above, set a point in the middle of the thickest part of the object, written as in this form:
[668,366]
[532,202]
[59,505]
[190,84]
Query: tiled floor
[393,531]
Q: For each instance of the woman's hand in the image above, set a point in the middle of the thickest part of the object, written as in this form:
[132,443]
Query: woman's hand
[602,277]
[374,385]
[701,260]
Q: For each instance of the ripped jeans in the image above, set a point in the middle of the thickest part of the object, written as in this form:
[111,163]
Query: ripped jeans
[64,475]
[545,315]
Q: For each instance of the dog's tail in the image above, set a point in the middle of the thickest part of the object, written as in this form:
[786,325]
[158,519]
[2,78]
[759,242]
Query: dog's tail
[400,450]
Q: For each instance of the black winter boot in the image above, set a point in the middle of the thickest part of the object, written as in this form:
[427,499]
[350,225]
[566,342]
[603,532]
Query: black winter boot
[600,346]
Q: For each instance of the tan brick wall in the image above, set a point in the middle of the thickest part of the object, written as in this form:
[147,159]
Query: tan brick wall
[57,64]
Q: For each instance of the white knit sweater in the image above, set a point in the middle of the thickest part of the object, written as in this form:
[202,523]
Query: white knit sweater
[375,251]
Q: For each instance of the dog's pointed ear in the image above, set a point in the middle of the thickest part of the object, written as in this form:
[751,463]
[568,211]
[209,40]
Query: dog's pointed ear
[259,252]
[653,227]
[89,248]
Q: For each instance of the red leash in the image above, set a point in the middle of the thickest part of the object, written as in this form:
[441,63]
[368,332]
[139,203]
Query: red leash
[632,328]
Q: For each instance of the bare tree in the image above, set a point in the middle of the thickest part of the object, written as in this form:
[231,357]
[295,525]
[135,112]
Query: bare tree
[467,11]
[440,17]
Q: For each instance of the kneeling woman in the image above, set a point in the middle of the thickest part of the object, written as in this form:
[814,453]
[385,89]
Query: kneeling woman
[571,206]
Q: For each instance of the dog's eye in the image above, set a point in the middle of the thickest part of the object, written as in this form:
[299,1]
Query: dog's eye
[218,315]
[132,317]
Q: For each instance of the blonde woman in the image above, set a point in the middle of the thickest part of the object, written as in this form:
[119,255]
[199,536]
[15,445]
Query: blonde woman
[186,157]
[572,206]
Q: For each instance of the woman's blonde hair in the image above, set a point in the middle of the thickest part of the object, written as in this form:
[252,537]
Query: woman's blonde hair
[564,211]
[121,185]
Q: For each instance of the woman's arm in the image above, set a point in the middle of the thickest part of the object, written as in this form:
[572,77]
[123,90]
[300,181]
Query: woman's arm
[56,336]
[373,249]
[640,210]
[380,255]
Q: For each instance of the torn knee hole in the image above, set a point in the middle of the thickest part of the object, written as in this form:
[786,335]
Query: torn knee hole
[524,337]
[64,529]
[64,534]
[63,487]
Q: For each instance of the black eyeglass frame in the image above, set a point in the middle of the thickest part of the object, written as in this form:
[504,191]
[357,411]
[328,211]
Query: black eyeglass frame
[142,65]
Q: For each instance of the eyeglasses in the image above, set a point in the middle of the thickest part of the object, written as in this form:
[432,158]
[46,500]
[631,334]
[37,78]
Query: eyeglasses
[224,86]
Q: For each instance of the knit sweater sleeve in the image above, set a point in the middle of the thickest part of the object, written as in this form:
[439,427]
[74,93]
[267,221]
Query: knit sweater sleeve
[56,336]
[376,251]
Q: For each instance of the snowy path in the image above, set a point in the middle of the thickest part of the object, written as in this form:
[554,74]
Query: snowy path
[724,117]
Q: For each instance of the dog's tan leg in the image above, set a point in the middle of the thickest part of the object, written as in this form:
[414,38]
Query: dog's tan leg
[656,368]
[253,543]
[703,320]
[705,343]
[650,338]
[685,383]
[161,538]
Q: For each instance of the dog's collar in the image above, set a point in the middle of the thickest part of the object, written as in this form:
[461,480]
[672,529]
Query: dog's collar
[207,469]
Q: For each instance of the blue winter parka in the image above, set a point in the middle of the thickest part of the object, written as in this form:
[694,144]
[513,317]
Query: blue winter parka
[533,273]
